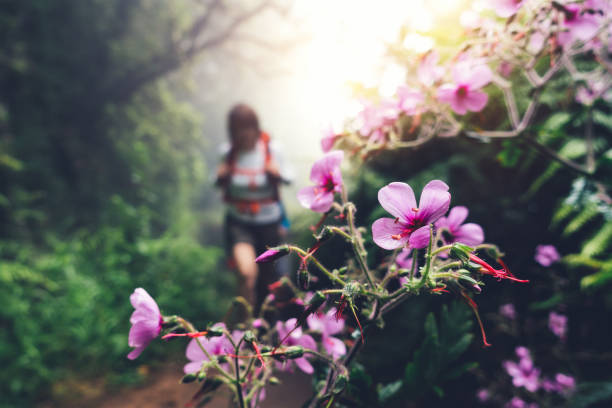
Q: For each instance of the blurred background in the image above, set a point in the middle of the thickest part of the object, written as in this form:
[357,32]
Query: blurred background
[112,113]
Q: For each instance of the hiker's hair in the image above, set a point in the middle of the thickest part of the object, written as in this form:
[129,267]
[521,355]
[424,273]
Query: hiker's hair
[241,116]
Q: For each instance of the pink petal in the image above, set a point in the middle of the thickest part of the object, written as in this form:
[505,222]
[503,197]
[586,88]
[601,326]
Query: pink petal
[479,76]
[316,198]
[383,229]
[307,341]
[325,166]
[475,101]
[331,324]
[304,365]
[193,367]
[136,352]
[456,216]
[470,234]
[398,199]
[194,352]
[420,238]
[333,346]
[446,93]
[434,202]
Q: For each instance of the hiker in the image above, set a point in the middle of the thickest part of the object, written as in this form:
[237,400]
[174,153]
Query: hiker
[250,176]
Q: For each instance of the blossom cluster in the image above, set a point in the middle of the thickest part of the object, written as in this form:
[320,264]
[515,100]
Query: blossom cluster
[519,36]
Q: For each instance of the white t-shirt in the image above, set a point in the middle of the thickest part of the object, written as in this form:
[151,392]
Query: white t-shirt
[249,184]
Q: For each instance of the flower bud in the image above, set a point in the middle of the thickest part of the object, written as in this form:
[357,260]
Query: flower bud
[273,254]
[189,378]
[214,332]
[201,375]
[341,383]
[303,278]
[294,352]
[316,300]
[461,251]
[325,234]
[249,337]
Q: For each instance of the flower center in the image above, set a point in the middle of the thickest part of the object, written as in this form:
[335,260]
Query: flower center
[462,91]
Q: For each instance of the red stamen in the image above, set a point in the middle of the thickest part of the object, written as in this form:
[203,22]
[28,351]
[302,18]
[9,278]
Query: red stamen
[358,323]
[261,360]
[440,289]
[415,209]
[396,220]
[474,307]
[340,309]
[503,273]
[191,335]
[401,235]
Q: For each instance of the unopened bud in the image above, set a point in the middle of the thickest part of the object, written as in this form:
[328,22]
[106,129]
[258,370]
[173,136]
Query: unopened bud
[303,278]
[249,337]
[341,383]
[273,254]
[188,378]
[294,352]
[201,375]
[351,289]
[214,332]
[316,300]
[461,251]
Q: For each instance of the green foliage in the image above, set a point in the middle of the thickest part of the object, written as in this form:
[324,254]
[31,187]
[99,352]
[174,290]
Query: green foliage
[592,395]
[75,296]
[434,362]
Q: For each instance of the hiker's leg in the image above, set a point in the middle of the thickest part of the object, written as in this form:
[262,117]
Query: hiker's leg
[244,256]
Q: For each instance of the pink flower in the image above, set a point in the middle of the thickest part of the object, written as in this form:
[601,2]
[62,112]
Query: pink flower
[328,140]
[464,94]
[483,395]
[146,322]
[215,346]
[506,8]
[523,373]
[296,338]
[581,25]
[516,402]
[455,231]
[428,70]
[557,323]
[411,223]
[546,255]
[409,99]
[565,382]
[377,120]
[325,173]
[508,311]
[328,325]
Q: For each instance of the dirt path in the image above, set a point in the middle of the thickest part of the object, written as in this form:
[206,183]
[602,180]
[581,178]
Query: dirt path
[162,390]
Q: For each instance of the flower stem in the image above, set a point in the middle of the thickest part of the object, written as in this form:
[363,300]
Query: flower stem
[315,261]
[428,257]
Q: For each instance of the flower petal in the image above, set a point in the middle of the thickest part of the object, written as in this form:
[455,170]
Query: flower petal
[456,216]
[434,202]
[383,229]
[316,198]
[475,101]
[419,238]
[398,199]
[333,346]
[470,234]
[304,365]
[323,167]
[479,76]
